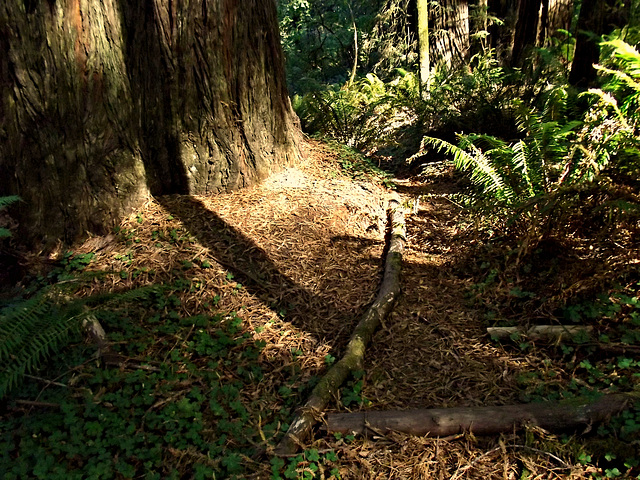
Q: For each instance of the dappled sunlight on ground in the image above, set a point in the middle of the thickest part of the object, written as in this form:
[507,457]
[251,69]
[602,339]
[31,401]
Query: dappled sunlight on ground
[292,264]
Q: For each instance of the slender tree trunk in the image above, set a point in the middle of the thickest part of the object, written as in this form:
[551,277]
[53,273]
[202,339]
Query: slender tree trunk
[423,40]
[634,13]
[354,69]
[560,15]
[479,24]
[102,101]
[501,36]
[587,52]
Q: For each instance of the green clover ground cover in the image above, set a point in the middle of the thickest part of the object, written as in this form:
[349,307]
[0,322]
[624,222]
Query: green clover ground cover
[194,404]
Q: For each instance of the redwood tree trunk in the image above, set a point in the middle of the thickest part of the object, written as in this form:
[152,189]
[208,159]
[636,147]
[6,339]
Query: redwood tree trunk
[103,101]
[596,18]
[559,17]
[526,30]
[450,32]
[587,51]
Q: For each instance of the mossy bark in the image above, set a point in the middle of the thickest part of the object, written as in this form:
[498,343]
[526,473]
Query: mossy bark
[353,358]
[104,101]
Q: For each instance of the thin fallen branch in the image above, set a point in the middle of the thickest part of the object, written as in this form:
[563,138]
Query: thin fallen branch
[98,336]
[540,332]
[34,403]
[440,422]
[353,358]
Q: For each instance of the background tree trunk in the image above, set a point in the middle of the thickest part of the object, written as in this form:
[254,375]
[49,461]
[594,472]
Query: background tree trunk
[501,36]
[587,52]
[450,32]
[423,39]
[559,17]
[103,101]
[526,31]
[596,18]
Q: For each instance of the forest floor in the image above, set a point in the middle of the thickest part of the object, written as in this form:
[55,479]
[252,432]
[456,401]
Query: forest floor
[265,286]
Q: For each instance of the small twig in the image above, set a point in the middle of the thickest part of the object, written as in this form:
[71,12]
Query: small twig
[44,380]
[128,363]
[293,455]
[33,403]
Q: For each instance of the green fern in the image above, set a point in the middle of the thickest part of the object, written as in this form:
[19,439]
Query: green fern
[484,174]
[5,202]
[33,329]
[30,331]
[351,114]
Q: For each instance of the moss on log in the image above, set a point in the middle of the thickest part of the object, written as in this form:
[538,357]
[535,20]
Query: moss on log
[353,357]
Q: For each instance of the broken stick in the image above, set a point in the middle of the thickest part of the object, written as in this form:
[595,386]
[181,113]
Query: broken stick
[353,358]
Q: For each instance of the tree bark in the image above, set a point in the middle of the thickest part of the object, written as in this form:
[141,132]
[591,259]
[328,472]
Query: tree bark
[587,51]
[353,358]
[104,101]
[442,422]
[596,18]
[450,32]
[501,35]
[526,30]
[559,17]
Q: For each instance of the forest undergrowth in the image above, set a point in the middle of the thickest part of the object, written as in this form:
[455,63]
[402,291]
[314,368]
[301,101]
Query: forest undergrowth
[222,312]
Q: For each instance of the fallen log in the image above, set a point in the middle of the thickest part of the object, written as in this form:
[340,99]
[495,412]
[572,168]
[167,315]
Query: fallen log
[353,358]
[442,422]
[540,332]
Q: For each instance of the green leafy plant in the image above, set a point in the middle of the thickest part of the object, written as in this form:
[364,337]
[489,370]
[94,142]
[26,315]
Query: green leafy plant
[4,203]
[359,166]
[541,179]
[35,328]
[357,114]
[188,415]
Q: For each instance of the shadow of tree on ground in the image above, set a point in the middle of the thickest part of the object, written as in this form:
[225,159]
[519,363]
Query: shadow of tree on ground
[260,275]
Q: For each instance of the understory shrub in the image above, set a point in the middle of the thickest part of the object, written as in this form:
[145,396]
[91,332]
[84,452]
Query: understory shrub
[545,176]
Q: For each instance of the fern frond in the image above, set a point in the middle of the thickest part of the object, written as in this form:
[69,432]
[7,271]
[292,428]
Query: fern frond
[619,79]
[6,201]
[31,352]
[483,173]
[521,159]
[30,331]
[629,56]
[19,320]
